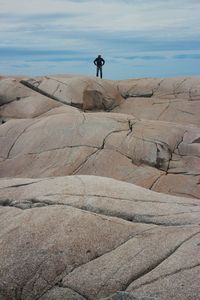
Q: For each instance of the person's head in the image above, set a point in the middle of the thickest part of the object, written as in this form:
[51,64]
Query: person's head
[99,55]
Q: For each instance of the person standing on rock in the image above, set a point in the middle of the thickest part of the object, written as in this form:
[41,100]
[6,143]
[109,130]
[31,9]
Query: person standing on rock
[99,62]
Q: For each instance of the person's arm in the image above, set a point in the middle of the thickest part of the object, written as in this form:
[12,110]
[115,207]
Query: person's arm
[103,61]
[95,62]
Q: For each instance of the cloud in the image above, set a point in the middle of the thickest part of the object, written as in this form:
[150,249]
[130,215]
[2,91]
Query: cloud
[187,56]
[61,59]
[76,30]
[34,52]
[143,57]
[174,18]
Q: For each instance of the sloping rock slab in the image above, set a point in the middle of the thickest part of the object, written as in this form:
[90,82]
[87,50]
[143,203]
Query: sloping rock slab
[101,195]
[18,101]
[82,92]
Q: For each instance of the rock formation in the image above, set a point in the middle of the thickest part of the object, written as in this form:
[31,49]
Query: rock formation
[99,188]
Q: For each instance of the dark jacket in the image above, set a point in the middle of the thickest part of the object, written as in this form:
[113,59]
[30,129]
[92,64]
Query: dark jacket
[99,61]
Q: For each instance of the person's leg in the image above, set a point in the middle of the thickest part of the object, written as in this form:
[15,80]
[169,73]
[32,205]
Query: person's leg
[101,72]
[97,75]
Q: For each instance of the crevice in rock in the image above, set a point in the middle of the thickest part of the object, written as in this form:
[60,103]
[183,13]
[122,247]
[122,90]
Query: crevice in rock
[123,199]
[162,163]
[60,285]
[155,181]
[187,195]
[38,90]
[177,86]
[166,275]
[169,161]
[58,86]
[15,141]
[158,86]
[112,132]
[34,277]
[20,184]
[56,79]
[164,110]
[127,156]
[186,173]
[186,112]
[25,204]
[131,94]
[197,141]
[176,148]
[64,274]
[135,218]
[85,161]
[142,273]
[130,217]
[187,155]
[132,236]
[110,276]
[131,125]
[157,263]
[62,148]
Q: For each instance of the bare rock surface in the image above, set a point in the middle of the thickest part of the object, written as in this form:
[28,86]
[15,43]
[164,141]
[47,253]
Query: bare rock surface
[18,101]
[168,99]
[82,92]
[126,296]
[101,195]
[165,88]
[97,204]
[73,233]
[59,293]
[64,142]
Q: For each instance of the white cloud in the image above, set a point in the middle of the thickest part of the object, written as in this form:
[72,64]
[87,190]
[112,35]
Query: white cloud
[174,18]
[110,27]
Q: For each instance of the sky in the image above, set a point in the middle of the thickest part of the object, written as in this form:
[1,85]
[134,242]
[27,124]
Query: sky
[137,38]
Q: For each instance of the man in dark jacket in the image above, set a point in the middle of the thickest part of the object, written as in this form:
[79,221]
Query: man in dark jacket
[99,62]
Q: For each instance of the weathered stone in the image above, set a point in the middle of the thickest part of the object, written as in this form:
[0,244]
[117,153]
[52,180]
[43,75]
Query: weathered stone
[67,142]
[91,94]
[59,293]
[126,296]
[101,195]
[18,101]
[94,237]
[171,99]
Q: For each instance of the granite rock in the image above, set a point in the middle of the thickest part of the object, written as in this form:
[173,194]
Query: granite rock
[99,188]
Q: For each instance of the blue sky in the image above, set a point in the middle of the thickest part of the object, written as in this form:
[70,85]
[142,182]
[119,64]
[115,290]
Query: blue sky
[137,38]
